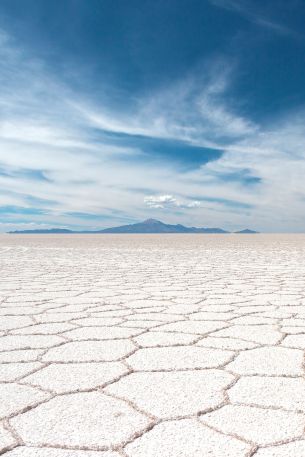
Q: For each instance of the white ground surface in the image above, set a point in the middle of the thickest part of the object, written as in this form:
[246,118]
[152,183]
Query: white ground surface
[146,346]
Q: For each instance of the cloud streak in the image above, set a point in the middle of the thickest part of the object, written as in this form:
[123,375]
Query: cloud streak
[249,12]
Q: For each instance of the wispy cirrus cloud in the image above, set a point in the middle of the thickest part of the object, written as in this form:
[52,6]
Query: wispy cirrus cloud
[67,161]
[250,11]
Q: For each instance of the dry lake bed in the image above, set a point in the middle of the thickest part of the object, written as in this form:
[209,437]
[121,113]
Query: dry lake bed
[153,345]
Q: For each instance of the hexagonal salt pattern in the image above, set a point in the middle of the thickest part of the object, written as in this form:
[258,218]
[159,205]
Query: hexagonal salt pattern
[277,361]
[61,377]
[272,392]
[178,358]
[15,371]
[294,449]
[179,393]
[16,398]
[186,438]
[131,346]
[80,420]
[256,425]
[90,351]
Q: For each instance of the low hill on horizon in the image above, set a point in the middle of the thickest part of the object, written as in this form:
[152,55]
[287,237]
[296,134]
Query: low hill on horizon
[147,226]
[246,232]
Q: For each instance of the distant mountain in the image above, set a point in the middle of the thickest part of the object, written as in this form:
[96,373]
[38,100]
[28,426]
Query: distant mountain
[246,232]
[44,231]
[148,226]
[154,226]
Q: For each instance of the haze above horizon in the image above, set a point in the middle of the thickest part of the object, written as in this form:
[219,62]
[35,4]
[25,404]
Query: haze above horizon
[113,112]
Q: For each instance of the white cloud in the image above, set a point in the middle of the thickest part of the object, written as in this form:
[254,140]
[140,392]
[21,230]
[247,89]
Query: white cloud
[193,204]
[160,201]
[169,201]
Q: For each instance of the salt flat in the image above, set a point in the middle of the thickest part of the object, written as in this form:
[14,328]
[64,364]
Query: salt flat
[155,345]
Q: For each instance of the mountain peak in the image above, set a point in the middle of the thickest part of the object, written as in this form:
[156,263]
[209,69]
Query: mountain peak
[247,232]
[151,221]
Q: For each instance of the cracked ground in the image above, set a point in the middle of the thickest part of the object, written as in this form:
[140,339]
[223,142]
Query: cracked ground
[145,346]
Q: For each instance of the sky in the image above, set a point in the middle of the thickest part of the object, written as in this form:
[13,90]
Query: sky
[186,111]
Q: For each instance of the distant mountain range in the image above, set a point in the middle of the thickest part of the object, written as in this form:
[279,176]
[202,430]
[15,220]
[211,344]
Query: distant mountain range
[148,226]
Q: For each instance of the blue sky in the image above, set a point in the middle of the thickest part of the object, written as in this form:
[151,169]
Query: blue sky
[189,111]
